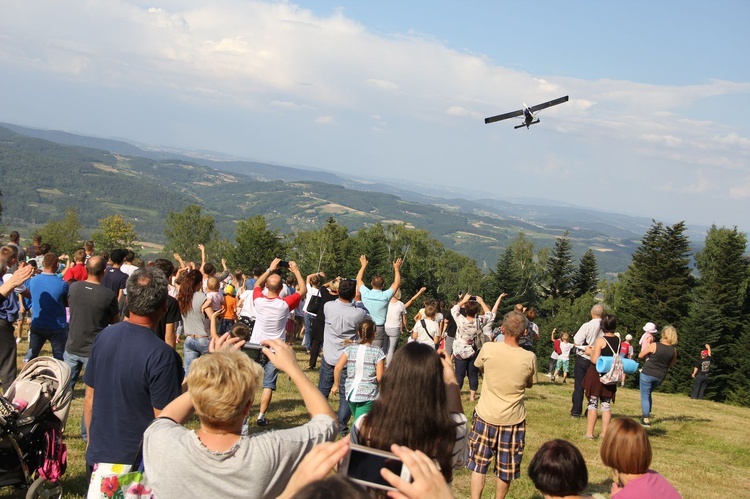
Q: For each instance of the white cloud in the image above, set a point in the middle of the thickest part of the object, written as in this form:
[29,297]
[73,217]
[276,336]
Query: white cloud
[382,84]
[325,120]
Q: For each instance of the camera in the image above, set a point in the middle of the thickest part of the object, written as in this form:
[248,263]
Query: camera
[283,264]
[255,352]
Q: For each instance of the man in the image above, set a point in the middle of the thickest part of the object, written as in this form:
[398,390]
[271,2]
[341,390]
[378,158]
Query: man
[271,315]
[49,297]
[700,373]
[10,286]
[376,299]
[130,377]
[92,308]
[166,329]
[33,250]
[341,321]
[499,426]
[114,278]
[585,337]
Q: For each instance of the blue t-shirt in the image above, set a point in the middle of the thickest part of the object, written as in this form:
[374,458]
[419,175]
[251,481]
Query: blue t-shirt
[376,301]
[49,294]
[132,373]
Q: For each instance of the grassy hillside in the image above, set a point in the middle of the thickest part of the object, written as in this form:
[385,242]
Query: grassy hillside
[42,178]
[701,447]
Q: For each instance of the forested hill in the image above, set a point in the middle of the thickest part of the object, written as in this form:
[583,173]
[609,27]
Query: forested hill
[41,178]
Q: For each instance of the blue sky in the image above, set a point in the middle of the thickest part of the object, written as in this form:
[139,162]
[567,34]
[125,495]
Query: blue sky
[657,124]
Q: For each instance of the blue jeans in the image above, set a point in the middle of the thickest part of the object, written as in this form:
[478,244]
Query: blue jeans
[37,338]
[325,383]
[77,364]
[464,367]
[306,341]
[194,348]
[648,385]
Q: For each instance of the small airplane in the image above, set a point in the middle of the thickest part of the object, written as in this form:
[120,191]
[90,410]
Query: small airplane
[528,113]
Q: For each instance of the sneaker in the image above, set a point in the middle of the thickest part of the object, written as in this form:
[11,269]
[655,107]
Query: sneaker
[565,381]
[553,379]
[548,375]
[645,424]
[589,437]
[262,421]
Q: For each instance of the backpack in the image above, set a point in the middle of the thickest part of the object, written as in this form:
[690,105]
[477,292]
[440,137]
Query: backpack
[55,457]
[614,375]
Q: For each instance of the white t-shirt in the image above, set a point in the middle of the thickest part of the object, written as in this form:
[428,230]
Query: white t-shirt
[247,304]
[565,349]
[311,291]
[428,333]
[271,315]
[393,318]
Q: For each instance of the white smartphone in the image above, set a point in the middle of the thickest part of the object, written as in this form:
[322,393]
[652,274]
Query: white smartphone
[362,465]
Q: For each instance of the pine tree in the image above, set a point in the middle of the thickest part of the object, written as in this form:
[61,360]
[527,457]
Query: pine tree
[656,287]
[717,313]
[560,269]
[586,277]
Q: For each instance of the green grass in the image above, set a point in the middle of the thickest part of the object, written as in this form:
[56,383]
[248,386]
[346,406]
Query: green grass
[701,447]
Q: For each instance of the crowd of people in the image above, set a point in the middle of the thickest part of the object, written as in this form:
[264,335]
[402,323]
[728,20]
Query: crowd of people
[119,322]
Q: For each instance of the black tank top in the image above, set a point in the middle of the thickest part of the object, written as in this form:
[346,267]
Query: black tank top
[613,342]
[657,363]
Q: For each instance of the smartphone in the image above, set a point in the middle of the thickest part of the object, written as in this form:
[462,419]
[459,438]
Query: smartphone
[255,352]
[283,264]
[473,298]
[362,465]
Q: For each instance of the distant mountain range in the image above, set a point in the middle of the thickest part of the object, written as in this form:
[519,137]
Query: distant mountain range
[46,171]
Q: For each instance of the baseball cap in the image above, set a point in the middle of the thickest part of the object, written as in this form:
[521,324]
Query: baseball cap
[628,337]
[650,327]
[229,290]
[704,352]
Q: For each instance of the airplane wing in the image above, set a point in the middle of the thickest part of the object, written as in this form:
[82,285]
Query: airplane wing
[501,117]
[545,105]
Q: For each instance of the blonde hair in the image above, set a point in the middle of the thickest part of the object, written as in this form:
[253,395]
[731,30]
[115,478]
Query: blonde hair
[669,334]
[212,284]
[430,311]
[625,448]
[222,385]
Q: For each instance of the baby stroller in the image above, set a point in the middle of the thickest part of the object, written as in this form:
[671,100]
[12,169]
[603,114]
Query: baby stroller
[32,418]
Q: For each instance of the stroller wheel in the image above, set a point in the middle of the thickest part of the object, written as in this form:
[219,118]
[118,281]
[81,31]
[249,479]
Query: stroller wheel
[44,489]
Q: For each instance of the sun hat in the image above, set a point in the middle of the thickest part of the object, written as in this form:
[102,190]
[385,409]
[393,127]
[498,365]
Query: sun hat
[650,327]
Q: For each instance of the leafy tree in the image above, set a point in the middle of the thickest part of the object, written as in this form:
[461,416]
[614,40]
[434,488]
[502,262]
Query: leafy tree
[519,272]
[186,230]
[586,277]
[257,244]
[656,287]
[456,273]
[64,236]
[114,232]
[327,250]
[716,315]
[560,269]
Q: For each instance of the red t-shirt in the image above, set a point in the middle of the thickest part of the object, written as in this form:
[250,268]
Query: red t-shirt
[77,273]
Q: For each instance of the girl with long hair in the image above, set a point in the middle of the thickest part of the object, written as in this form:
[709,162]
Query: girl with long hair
[419,407]
[364,366]
[193,302]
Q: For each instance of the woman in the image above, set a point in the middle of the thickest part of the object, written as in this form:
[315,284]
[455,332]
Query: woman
[216,460]
[627,451]
[596,392]
[464,348]
[419,407]
[395,321]
[193,302]
[559,470]
[660,357]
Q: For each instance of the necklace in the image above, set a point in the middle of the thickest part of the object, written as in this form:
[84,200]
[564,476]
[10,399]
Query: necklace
[219,433]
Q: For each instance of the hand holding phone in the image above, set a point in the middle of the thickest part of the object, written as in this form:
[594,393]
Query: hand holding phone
[363,465]
[427,480]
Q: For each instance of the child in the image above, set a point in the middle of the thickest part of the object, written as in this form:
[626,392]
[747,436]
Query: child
[427,329]
[239,330]
[212,295]
[555,353]
[648,335]
[230,306]
[563,359]
[76,271]
[365,365]
[626,352]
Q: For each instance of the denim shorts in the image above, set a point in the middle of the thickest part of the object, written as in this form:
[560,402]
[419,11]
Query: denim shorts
[270,373]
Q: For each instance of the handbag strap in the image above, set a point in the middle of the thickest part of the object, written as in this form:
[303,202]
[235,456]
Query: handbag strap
[424,326]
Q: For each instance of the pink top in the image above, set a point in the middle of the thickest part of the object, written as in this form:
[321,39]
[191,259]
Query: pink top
[649,485]
[646,339]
